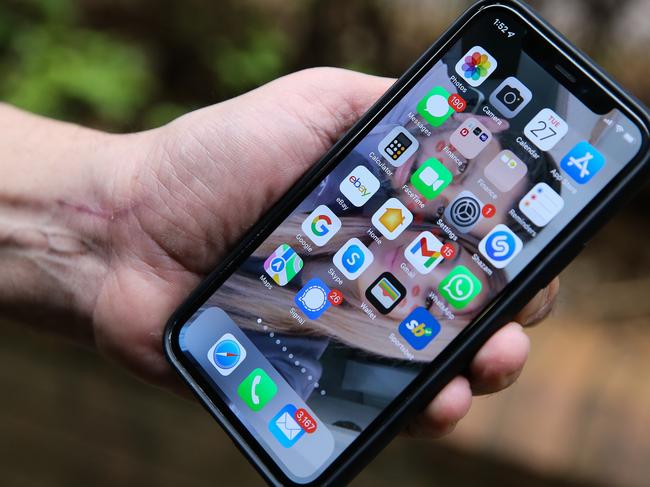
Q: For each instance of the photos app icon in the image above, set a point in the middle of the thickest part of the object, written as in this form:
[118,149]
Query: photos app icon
[476,66]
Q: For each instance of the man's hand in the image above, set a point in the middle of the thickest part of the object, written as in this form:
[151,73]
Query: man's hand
[109,233]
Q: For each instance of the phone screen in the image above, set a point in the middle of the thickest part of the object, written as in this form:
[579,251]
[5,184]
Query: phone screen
[444,199]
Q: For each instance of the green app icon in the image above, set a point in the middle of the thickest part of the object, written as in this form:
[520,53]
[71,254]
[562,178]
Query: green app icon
[431,178]
[434,107]
[257,389]
[460,287]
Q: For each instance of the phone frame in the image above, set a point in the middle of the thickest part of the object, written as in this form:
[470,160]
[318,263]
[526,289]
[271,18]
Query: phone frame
[454,359]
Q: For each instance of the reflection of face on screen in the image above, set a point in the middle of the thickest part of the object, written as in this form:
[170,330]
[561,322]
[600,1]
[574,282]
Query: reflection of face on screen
[421,225]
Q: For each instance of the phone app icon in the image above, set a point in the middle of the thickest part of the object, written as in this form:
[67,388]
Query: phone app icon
[398,146]
[546,129]
[321,225]
[419,328]
[541,204]
[505,171]
[476,65]
[385,293]
[312,299]
[431,178]
[284,426]
[511,97]
[500,246]
[464,212]
[424,252]
[392,218]
[471,138]
[359,186]
[283,264]
[353,258]
[460,287]
[434,106]
[583,162]
[226,354]
[257,389]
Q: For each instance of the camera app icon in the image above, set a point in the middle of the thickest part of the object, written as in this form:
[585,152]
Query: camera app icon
[510,97]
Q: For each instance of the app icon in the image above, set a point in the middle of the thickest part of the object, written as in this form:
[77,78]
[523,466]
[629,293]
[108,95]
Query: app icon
[500,246]
[505,171]
[541,204]
[510,97]
[284,426]
[385,293]
[419,328]
[470,138]
[321,225]
[546,129]
[434,107]
[583,162]
[283,264]
[392,218]
[424,252]
[226,354]
[359,186]
[398,146]
[464,212]
[431,178]
[460,287]
[476,65]
[353,258]
[257,389]
[312,299]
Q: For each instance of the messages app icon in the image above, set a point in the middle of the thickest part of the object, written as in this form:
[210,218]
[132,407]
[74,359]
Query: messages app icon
[431,178]
[285,428]
[434,107]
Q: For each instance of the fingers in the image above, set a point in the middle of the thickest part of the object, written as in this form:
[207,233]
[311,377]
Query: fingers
[499,362]
[541,305]
[444,412]
[495,367]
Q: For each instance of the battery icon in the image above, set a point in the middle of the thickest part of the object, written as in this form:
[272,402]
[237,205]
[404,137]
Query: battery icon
[628,138]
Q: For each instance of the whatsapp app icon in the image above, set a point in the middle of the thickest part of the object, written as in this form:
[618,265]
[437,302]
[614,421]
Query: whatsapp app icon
[460,287]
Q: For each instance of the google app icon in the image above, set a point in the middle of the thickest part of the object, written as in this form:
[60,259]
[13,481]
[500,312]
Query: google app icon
[321,225]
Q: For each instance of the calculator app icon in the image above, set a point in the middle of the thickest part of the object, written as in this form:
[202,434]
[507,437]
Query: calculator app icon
[398,146]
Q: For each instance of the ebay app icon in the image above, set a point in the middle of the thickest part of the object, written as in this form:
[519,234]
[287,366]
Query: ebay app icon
[359,186]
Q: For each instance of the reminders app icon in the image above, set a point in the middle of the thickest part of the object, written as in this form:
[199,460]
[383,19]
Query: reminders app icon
[541,204]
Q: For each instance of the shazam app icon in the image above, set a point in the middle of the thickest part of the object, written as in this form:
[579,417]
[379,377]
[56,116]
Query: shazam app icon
[500,246]
[226,354]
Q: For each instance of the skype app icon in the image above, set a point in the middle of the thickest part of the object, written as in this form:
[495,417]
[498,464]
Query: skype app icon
[353,258]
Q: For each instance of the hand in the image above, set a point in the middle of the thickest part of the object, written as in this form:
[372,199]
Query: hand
[149,214]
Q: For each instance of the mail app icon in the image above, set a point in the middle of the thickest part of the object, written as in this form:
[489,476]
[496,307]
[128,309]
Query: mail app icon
[285,428]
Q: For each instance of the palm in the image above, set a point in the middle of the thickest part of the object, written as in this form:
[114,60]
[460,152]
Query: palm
[208,178]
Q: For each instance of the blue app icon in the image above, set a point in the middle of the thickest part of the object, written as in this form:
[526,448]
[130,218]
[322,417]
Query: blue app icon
[284,426]
[353,258]
[419,328]
[312,298]
[583,162]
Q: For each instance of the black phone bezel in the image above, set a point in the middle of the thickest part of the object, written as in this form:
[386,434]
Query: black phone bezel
[564,247]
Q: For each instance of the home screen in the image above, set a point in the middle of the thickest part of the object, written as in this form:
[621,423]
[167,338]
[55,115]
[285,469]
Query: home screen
[444,201]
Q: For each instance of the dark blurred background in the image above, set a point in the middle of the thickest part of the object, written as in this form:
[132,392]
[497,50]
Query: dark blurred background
[579,416]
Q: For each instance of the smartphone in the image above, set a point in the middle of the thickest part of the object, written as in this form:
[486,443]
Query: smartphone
[470,184]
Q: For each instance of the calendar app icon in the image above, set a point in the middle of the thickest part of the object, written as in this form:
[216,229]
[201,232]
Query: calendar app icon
[546,129]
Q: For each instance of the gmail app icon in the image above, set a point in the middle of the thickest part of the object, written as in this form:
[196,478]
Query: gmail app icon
[285,428]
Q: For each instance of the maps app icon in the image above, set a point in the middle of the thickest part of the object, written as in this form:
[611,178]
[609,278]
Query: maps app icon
[283,264]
